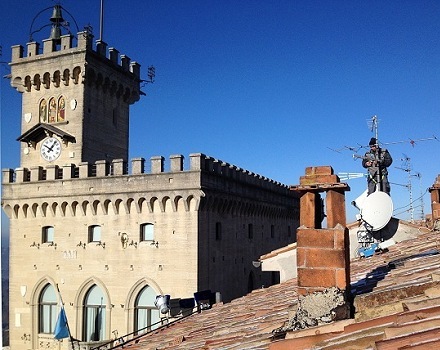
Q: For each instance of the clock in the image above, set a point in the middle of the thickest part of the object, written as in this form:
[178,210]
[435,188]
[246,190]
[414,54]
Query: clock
[50,149]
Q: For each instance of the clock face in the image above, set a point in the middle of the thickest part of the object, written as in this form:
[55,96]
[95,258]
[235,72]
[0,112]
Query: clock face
[50,149]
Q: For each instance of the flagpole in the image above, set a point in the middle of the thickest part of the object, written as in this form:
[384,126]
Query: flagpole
[67,323]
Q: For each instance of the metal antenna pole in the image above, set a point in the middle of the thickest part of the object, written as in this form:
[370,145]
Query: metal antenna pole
[101,22]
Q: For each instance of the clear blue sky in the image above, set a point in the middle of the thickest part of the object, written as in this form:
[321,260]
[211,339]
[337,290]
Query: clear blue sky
[269,86]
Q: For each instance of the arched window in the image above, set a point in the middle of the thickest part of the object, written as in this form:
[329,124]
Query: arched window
[47,311]
[146,315]
[43,111]
[61,114]
[52,117]
[94,315]
[147,232]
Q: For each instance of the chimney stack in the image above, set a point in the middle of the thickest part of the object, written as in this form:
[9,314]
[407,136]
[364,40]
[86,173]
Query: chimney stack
[323,254]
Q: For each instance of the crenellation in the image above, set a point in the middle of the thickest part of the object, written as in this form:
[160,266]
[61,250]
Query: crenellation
[125,62]
[84,170]
[137,166]
[7,176]
[101,48]
[157,164]
[119,167]
[176,163]
[102,168]
[49,46]
[113,55]
[17,52]
[52,172]
[36,173]
[66,41]
[32,49]
[68,171]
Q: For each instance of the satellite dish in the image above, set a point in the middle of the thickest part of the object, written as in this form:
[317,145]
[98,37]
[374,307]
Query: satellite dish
[377,210]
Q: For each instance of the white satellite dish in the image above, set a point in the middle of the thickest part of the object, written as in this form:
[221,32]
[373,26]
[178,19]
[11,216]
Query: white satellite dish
[377,210]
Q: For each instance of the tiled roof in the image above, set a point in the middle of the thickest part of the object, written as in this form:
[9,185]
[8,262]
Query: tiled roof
[396,299]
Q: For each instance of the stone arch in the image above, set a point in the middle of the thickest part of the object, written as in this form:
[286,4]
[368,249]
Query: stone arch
[79,302]
[105,206]
[193,203]
[63,208]
[36,81]
[95,206]
[25,210]
[129,203]
[106,84]
[84,207]
[44,207]
[113,88]
[127,95]
[120,91]
[76,74]
[34,210]
[54,208]
[155,205]
[166,204]
[74,207]
[118,205]
[99,80]
[27,83]
[15,211]
[180,204]
[56,78]
[46,80]
[137,287]
[141,203]
[66,77]
[90,76]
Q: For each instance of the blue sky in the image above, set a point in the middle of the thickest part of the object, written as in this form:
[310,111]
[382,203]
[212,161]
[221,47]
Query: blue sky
[269,86]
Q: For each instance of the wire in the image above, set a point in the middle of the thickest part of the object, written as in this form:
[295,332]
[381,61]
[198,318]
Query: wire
[412,201]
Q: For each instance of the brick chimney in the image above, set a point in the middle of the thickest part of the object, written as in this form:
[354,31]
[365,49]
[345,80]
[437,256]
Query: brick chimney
[323,254]
[435,200]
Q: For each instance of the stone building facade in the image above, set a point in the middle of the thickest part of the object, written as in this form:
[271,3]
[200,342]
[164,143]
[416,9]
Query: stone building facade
[93,231]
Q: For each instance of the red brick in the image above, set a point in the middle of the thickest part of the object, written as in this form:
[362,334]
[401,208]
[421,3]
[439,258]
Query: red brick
[342,279]
[308,277]
[325,258]
[309,237]
[335,203]
[318,179]
[300,257]
[308,202]
[342,238]
[319,170]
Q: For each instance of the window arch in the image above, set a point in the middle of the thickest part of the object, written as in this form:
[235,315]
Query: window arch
[52,110]
[61,113]
[47,310]
[43,111]
[94,314]
[146,315]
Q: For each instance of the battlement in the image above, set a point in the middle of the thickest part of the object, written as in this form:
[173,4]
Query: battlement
[84,43]
[118,167]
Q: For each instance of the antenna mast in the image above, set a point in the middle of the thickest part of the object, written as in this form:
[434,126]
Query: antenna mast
[101,22]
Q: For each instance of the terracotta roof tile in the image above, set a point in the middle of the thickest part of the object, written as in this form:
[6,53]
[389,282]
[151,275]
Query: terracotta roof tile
[396,297]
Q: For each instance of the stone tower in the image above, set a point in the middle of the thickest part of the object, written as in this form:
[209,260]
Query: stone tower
[74,97]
